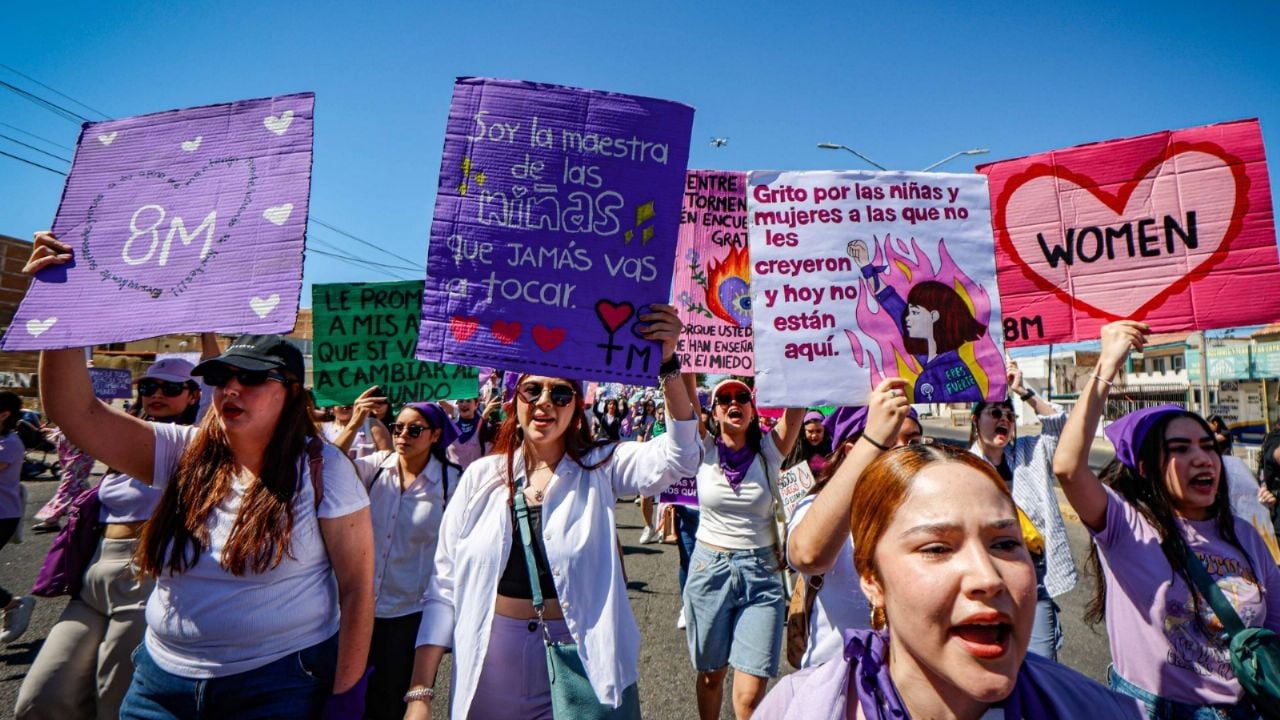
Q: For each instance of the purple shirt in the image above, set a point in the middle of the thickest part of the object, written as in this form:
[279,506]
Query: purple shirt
[1156,643]
[1044,690]
[12,453]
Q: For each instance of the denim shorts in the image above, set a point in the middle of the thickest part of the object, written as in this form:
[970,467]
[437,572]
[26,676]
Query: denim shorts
[735,607]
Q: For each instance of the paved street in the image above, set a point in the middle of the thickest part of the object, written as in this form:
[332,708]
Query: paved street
[666,688]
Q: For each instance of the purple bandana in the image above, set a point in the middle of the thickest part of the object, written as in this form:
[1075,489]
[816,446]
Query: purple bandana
[735,463]
[1129,431]
[436,418]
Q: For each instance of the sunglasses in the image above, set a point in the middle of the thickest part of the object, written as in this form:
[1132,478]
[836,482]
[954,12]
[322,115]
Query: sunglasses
[561,395]
[415,430]
[148,387]
[219,375]
[999,413]
[742,397]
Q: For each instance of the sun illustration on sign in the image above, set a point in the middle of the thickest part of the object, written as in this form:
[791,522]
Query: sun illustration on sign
[729,288]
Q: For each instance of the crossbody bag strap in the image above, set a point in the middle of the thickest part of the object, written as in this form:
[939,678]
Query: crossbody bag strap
[525,534]
[1211,592]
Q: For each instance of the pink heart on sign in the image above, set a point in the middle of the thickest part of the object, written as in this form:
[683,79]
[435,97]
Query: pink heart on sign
[506,332]
[614,315]
[548,338]
[1142,229]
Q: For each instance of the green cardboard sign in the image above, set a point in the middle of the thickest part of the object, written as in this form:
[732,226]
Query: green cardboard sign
[365,335]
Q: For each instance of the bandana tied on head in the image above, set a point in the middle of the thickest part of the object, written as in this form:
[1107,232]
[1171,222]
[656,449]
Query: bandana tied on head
[438,419]
[813,416]
[1128,433]
[847,422]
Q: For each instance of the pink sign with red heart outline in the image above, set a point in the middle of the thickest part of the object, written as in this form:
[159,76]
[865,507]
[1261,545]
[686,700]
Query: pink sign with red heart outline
[1167,228]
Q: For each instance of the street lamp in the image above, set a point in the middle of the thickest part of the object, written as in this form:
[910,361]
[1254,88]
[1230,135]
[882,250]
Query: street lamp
[834,146]
[953,156]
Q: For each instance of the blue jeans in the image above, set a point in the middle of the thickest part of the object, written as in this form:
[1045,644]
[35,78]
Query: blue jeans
[735,606]
[1046,631]
[295,686]
[1159,708]
[687,517]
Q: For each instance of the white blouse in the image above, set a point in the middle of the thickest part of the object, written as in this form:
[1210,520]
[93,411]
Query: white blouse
[578,530]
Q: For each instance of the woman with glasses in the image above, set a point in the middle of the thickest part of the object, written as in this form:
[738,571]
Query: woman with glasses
[545,496]
[734,599]
[1026,464]
[257,518]
[83,668]
[408,492]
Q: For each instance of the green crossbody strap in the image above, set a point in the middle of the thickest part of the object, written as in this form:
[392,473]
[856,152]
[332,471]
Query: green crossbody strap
[526,539]
[1211,592]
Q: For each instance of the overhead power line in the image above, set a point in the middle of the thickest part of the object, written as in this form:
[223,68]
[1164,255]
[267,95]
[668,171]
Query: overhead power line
[51,106]
[21,74]
[33,147]
[30,162]
[15,128]
[362,241]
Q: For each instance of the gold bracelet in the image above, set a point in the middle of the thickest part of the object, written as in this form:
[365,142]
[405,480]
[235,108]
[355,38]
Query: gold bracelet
[1103,380]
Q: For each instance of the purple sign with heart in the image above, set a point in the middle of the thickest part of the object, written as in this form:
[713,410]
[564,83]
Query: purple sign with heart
[183,221]
[555,227]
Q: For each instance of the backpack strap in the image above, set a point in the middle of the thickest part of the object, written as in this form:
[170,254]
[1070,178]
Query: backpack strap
[315,461]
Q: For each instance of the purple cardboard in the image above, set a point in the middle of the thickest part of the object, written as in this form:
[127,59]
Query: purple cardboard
[555,226]
[181,221]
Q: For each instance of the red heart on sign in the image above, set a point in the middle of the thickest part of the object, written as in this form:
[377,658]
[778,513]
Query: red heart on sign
[463,327]
[1183,177]
[548,338]
[614,315]
[506,332]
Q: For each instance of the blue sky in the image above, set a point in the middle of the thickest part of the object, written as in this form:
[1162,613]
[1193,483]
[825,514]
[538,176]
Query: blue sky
[904,83]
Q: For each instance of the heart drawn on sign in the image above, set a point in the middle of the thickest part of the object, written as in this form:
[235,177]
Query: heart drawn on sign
[278,124]
[192,145]
[1151,226]
[108,138]
[463,327]
[548,338]
[263,306]
[506,332]
[36,328]
[614,315]
[278,214]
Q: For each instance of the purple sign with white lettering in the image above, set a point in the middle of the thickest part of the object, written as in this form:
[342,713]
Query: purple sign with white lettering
[182,221]
[555,227]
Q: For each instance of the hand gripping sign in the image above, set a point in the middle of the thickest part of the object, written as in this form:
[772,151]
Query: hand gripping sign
[181,221]
[1173,228]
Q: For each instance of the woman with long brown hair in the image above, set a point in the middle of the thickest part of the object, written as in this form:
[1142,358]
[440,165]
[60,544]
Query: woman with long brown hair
[256,519]
[545,498]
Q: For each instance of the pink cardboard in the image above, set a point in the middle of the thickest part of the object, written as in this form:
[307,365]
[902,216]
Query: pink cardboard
[1167,228]
[712,288]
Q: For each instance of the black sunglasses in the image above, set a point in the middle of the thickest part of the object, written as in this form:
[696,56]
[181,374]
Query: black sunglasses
[999,413]
[742,397]
[148,387]
[415,430]
[561,394]
[219,375]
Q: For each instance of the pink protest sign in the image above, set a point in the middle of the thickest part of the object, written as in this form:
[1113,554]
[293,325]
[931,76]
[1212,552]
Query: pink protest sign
[712,287]
[555,226]
[1166,228]
[181,221]
[858,276]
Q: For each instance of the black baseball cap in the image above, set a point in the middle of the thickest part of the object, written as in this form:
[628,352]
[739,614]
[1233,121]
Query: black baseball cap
[259,352]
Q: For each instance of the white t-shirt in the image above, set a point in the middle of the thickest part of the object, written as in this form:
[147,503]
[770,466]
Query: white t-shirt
[12,454]
[840,604]
[741,519]
[206,622]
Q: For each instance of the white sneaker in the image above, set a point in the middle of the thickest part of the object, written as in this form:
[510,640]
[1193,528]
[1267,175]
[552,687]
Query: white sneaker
[680,623]
[16,620]
[648,536]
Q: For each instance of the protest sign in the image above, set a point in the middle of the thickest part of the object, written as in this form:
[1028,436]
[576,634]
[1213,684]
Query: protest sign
[365,335]
[1242,491]
[793,485]
[682,492]
[111,384]
[555,227]
[182,221]
[1165,228]
[858,276]
[712,287]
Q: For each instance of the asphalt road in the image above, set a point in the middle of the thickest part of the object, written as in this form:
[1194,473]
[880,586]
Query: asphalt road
[667,678]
